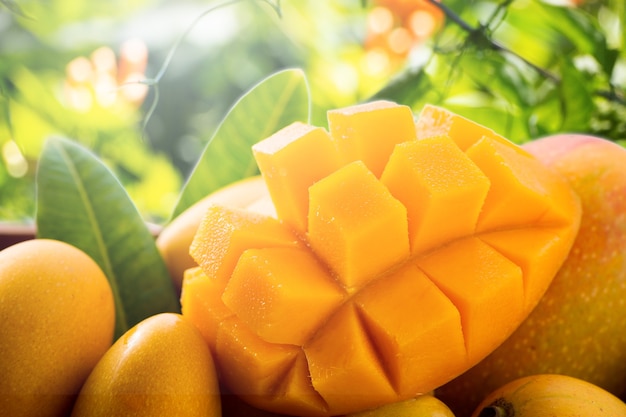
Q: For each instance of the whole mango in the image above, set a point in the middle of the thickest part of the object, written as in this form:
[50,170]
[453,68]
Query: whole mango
[550,395]
[160,367]
[425,405]
[56,321]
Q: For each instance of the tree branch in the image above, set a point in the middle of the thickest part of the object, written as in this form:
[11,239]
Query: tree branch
[480,34]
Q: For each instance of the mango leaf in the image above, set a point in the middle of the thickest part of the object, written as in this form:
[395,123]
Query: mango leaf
[577,100]
[584,32]
[408,88]
[14,8]
[275,102]
[79,201]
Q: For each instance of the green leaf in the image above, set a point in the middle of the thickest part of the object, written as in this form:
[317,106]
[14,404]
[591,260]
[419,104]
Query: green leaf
[408,88]
[79,201]
[14,8]
[577,100]
[274,103]
[5,111]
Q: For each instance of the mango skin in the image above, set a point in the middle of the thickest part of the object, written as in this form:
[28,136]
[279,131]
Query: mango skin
[550,395]
[577,328]
[174,239]
[160,367]
[57,318]
[422,406]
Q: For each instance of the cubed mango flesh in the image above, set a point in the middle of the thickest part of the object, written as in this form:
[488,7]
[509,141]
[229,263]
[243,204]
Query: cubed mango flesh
[267,283]
[445,200]
[356,226]
[362,132]
[402,253]
[291,160]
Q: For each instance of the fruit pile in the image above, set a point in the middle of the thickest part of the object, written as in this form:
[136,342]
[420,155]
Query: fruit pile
[386,265]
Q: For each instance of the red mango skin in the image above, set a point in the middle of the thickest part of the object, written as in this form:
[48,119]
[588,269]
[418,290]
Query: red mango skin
[578,327]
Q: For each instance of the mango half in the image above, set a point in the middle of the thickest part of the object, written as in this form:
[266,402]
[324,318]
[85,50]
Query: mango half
[403,251]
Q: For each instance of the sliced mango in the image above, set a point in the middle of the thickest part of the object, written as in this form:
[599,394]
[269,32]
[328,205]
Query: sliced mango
[383,276]
[415,329]
[447,194]
[476,283]
[225,232]
[268,282]
[362,132]
[291,160]
[355,225]
[349,378]
[518,193]
[437,121]
[537,251]
[202,296]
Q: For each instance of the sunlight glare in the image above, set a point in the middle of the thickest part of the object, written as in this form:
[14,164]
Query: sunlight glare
[132,88]
[16,164]
[422,23]
[345,78]
[79,70]
[79,97]
[105,87]
[380,20]
[400,41]
[376,62]
[104,60]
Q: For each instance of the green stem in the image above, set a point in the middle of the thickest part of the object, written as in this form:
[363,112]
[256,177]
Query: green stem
[153,82]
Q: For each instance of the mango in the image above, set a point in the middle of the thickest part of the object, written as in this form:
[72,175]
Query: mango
[425,405]
[394,264]
[160,367]
[57,318]
[174,239]
[577,329]
[550,395]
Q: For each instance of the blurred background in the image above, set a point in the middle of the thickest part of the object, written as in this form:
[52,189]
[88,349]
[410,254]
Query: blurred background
[145,83]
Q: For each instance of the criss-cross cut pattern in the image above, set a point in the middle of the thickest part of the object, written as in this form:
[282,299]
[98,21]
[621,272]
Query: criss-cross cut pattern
[403,251]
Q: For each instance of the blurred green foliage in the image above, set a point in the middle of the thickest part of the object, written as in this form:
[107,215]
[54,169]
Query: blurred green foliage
[526,68]
[222,55]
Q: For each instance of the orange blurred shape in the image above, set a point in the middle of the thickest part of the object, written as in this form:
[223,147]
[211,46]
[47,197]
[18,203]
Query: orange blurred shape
[404,8]
[79,71]
[133,59]
[131,70]
[380,20]
[422,23]
[400,41]
[104,61]
[401,24]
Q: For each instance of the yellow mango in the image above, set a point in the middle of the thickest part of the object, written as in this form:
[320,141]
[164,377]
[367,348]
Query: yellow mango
[161,366]
[267,283]
[437,121]
[448,190]
[174,239]
[355,225]
[57,317]
[285,161]
[362,132]
[550,395]
[421,406]
[224,233]
[390,274]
